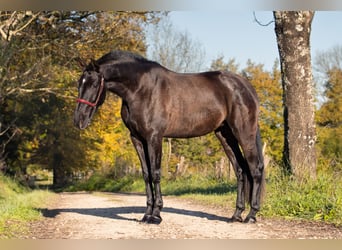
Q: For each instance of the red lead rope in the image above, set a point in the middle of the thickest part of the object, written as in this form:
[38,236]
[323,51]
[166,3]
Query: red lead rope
[93,104]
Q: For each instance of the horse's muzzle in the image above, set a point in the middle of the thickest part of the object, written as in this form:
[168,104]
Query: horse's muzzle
[80,120]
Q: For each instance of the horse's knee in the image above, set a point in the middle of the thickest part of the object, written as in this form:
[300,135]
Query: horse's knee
[146,176]
[156,176]
[239,175]
[257,172]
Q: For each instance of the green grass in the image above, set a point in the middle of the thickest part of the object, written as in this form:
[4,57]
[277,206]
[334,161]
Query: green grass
[18,206]
[318,200]
[98,182]
[197,185]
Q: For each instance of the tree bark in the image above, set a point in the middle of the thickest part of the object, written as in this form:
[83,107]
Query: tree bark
[293,30]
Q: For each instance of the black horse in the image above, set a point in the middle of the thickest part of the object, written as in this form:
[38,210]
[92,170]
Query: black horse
[160,103]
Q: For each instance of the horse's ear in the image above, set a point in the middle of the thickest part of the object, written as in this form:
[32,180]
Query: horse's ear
[81,62]
[95,65]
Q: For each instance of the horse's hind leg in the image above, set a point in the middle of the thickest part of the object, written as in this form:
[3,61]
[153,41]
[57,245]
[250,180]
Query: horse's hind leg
[251,146]
[232,150]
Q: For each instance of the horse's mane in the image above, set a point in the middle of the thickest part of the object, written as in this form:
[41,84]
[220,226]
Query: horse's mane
[120,55]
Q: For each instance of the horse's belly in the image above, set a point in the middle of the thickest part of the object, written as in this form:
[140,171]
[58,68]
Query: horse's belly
[193,125]
[187,133]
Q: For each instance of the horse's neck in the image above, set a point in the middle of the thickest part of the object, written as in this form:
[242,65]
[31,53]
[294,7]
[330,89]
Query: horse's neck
[120,80]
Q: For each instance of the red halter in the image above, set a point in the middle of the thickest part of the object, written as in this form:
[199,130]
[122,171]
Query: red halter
[93,104]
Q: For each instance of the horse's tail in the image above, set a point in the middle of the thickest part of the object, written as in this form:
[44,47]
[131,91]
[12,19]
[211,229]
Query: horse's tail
[248,180]
[261,164]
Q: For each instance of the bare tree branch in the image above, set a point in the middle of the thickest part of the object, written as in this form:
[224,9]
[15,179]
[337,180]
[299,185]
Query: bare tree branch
[176,49]
[15,23]
[9,136]
[25,25]
[260,23]
[54,91]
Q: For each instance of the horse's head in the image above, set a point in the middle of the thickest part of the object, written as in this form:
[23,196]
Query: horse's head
[91,95]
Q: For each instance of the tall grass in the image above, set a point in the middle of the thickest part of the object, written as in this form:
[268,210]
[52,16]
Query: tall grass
[318,200]
[18,205]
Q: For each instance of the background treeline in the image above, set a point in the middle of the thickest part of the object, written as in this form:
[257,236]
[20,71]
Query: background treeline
[38,86]
[39,71]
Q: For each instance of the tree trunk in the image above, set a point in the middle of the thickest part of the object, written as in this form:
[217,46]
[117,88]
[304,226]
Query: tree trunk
[293,29]
[60,176]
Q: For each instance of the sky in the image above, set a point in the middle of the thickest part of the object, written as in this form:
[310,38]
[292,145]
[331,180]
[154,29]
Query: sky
[235,34]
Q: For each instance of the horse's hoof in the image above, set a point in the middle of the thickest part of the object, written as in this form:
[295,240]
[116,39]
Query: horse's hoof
[146,218]
[154,220]
[250,220]
[236,219]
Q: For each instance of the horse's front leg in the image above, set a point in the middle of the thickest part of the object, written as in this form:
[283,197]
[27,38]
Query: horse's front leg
[146,171]
[154,146]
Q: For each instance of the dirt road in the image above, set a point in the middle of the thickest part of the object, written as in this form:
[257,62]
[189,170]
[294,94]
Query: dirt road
[116,216]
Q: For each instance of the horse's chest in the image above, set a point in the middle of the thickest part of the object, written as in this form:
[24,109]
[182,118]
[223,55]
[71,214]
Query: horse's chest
[140,118]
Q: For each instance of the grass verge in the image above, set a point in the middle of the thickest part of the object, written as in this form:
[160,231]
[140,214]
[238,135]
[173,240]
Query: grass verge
[316,200]
[18,206]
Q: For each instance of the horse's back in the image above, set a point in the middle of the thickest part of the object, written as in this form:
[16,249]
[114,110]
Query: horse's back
[195,104]
[190,105]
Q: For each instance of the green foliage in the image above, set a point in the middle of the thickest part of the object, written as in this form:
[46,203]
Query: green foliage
[329,113]
[37,88]
[330,147]
[9,187]
[329,121]
[202,151]
[17,206]
[318,200]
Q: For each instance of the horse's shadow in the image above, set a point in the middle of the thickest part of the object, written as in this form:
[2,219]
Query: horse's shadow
[118,213]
